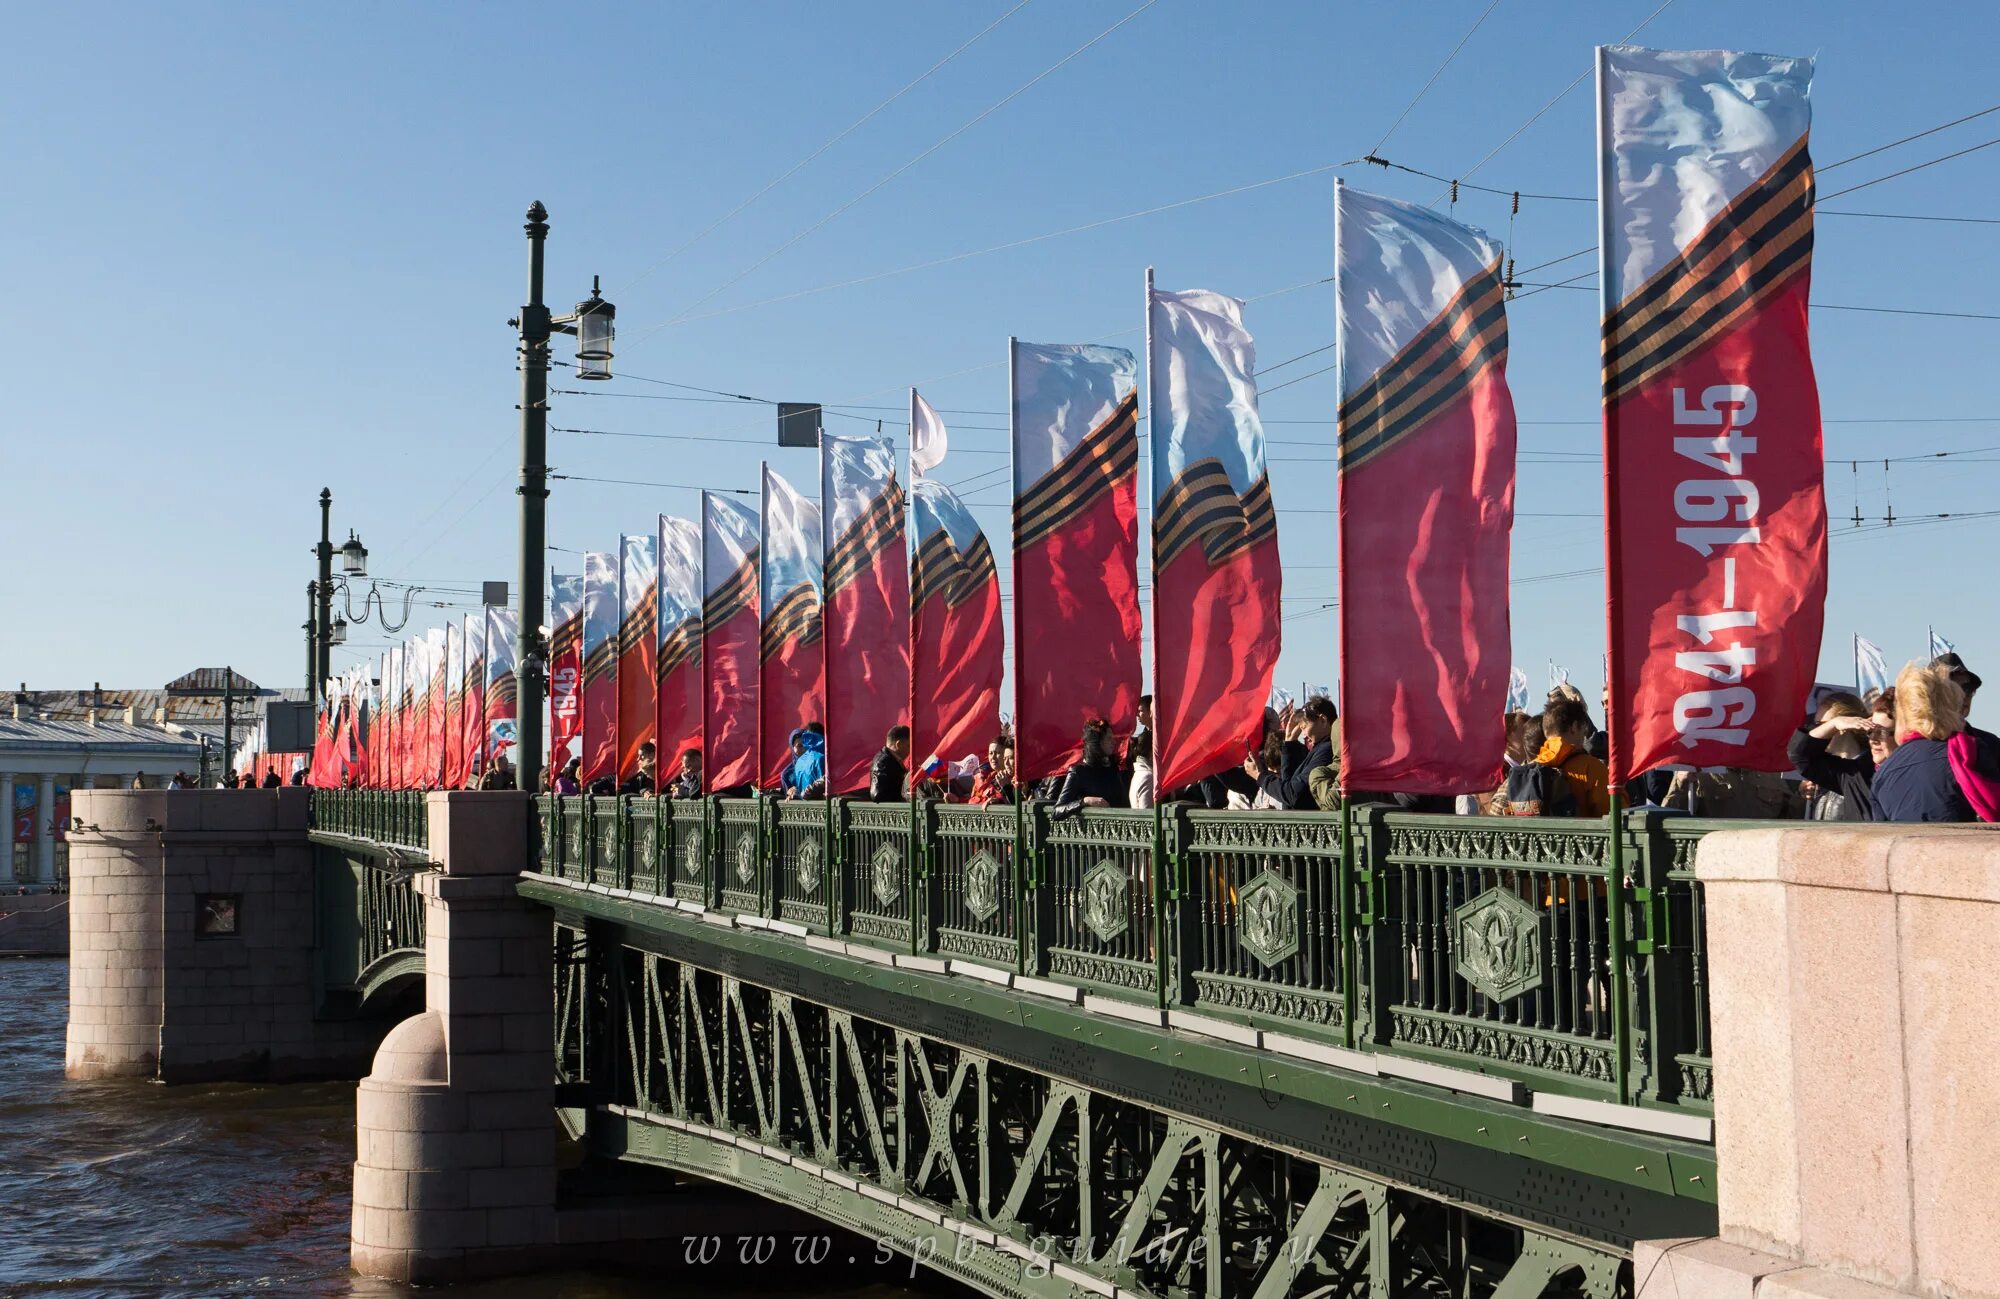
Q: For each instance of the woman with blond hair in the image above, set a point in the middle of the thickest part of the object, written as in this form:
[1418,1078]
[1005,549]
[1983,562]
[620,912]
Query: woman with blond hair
[1918,781]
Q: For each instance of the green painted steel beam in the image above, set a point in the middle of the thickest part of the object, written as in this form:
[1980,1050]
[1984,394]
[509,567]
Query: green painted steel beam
[1590,1183]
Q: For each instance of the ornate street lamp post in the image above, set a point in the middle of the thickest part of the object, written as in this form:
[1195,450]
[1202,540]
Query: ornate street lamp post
[592,324]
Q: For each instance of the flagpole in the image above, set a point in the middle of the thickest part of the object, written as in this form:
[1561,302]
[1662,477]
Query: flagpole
[1030,881]
[1857,661]
[1621,1060]
[910,559]
[1344,899]
[1166,890]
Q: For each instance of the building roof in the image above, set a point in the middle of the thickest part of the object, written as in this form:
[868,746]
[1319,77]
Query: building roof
[104,737]
[212,681]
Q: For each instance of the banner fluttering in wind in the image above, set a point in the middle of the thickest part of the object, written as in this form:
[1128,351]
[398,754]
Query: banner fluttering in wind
[1938,644]
[320,766]
[866,613]
[565,669]
[1871,668]
[453,691]
[638,601]
[360,712]
[957,648]
[600,666]
[472,716]
[436,647]
[1715,509]
[1517,691]
[728,642]
[791,663]
[929,440]
[1076,577]
[1216,622]
[677,641]
[377,733]
[1426,455]
[502,692]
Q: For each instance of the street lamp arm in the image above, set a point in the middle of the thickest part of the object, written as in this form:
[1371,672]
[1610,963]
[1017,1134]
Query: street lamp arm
[374,598]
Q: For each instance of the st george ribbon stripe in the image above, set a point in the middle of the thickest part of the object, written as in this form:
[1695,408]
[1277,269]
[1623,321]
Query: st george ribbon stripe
[1203,505]
[1754,245]
[1108,454]
[855,551]
[734,595]
[683,644]
[796,614]
[1430,372]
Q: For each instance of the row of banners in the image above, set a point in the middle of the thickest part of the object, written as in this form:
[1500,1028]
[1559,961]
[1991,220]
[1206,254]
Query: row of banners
[434,712]
[725,632]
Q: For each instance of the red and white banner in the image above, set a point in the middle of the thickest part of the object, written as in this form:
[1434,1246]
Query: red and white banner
[503,693]
[435,651]
[958,651]
[638,598]
[866,616]
[1076,549]
[455,756]
[1216,622]
[472,715]
[565,669]
[791,663]
[728,642]
[1715,507]
[1426,454]
[677,642]
[600,667]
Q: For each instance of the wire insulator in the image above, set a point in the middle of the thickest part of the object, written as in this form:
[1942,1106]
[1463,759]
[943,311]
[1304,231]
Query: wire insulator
[1517,204]
[1454,193]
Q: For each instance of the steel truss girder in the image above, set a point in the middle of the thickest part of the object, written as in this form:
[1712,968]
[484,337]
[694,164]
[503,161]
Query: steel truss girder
[1014,1182]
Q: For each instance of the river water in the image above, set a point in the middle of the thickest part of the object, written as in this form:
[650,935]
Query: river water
[131,1189]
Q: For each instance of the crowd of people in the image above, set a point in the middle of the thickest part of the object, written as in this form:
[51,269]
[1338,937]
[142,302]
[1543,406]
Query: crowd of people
[1907,753]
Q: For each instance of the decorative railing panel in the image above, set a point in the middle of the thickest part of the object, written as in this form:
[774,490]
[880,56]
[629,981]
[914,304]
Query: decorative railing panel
[1673,935]
[803,880]
[1099,904]
[742,856]
[1261,917]
[693,859]
[393,818]
[879,870]
[975,886]
[1492,943]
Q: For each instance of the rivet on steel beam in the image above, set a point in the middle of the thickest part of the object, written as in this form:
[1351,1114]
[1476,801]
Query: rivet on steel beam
[1482,1129]
[1640,1169]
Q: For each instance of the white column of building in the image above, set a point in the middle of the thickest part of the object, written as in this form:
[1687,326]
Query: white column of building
[7,802]
[45,831]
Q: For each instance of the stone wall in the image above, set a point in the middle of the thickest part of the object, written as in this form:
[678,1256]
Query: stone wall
[1854,981]
[154,992]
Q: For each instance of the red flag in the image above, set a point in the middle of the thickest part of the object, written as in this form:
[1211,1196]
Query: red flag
[472,714]
[958,652]
[432,775]
[866,617]
[1216,624]
[600,666]
[1714,495]
[728,643]
[791,662]
[456,756]
[565,670]
[677,637]
[1426,499]
[1076,549]
[638,598]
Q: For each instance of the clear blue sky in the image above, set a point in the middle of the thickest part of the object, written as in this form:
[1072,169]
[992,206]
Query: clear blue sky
[259,249]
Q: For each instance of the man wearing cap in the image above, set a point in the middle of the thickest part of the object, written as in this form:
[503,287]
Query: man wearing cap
[805,776]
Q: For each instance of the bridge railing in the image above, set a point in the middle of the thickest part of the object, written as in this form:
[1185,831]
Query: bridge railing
[1523,949]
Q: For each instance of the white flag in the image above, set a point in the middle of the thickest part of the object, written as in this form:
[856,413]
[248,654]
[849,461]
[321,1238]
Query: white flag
[1939,645]
[1517,691]
[928,440]
[1871,669]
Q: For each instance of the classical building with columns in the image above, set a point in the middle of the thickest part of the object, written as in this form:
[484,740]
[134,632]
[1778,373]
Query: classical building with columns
[43,759]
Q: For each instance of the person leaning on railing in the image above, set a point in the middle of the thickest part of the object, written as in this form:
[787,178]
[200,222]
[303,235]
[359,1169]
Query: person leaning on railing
[996,783]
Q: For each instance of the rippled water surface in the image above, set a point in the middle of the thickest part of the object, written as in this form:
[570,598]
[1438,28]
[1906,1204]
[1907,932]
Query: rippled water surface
[133,1189]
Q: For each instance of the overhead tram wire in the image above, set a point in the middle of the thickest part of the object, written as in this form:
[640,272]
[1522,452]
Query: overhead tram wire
[1408,108]
[1032,82]
[968,255]
[836,138]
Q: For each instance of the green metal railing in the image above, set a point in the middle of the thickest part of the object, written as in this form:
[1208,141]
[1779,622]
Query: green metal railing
[1495,944]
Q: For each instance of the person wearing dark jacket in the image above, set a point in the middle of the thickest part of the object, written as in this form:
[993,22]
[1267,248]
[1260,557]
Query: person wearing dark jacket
[890,771]
[1290,785]
[1833,754]
[1096,781]
[1916,782]
[641,782]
